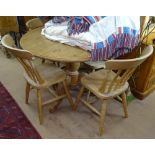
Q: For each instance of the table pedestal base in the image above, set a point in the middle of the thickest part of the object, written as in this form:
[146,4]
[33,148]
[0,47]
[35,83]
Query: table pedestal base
[72,69]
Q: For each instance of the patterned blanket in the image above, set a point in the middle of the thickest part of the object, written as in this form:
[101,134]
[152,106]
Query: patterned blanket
[114,35]
[109,36]
[79,24]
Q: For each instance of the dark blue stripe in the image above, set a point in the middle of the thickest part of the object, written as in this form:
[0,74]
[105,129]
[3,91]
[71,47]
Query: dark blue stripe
[99,45]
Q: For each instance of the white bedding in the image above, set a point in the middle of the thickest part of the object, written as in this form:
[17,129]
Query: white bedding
[98,32]
[101,37]
[58,32]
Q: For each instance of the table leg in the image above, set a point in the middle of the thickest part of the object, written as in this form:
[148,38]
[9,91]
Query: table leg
[72,69]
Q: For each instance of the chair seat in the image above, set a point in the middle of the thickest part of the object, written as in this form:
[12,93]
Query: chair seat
[94,80]
[50,73]
[96,64]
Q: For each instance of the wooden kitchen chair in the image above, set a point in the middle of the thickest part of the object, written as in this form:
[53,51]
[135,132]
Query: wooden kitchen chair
[42,77]
[96,65]
[110,82]
[34,23]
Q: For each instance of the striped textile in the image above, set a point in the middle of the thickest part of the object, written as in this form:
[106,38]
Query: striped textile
[106,37]
[79,24]
[60,19]
[115,45]
[115,36]
[92,19]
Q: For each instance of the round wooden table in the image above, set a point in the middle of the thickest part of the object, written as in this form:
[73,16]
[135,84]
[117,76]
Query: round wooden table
[41,47]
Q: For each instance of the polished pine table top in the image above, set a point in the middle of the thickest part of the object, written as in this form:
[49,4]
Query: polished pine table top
[41,47]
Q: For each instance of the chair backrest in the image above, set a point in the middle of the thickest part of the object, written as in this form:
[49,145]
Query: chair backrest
[34,23]
[124,69]
[25,58]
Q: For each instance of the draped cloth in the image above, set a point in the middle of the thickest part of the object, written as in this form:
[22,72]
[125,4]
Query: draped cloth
[113,35]
[107,36]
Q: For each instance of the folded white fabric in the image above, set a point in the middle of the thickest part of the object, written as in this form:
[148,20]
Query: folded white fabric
[58,32]
[107,38]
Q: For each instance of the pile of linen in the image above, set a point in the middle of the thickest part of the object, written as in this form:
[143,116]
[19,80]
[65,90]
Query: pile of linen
[105,37]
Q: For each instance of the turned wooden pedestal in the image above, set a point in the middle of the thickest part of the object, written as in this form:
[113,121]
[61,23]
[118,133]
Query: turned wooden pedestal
[73,72]
[41,47]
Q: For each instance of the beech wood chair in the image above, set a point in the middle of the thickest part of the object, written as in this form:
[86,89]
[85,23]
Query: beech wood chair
[34,23]
[95,65]
[45,76]
[109,83]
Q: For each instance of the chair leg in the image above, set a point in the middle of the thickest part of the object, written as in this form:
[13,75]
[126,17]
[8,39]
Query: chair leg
[88,95]
[78,98]
[68,94]
[124,103]
[40,110]
[102,117]
[43,60]
[58,90]
[57,64]
[53,109]
[27,91]
[93,70]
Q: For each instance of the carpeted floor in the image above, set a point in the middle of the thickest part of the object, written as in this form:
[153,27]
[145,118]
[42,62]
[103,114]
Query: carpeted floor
[13,123]
[65,123]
